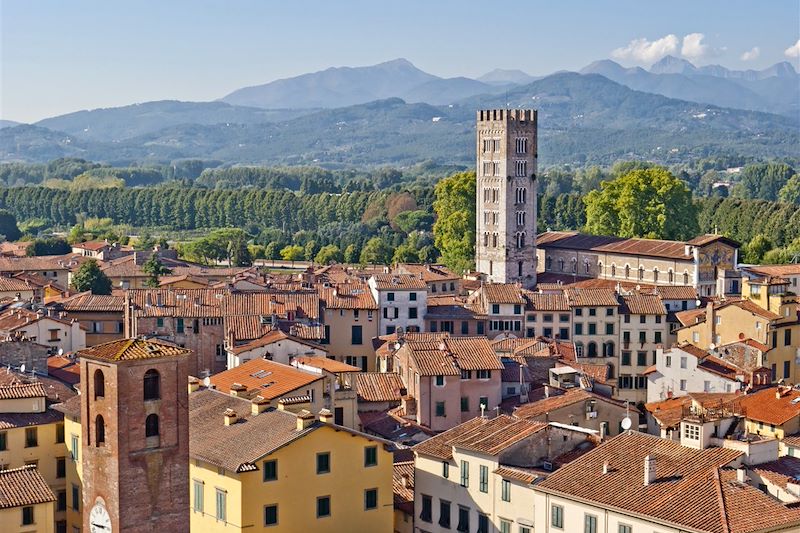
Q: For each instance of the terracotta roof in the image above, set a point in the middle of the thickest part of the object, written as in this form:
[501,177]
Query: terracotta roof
[14,284]
[23,486]
[676,292]
[489,436]
[41,262]
[503,293]
[688,491]
[754,308]
[67,369]
[517,474]
[669,413]
[642,304]
[186,303]
[20,390]
[347,296]
[133,349]
[555,402]
[403,486]
[271,337]
[427,273]
[592,297]
[436,354]
[86,301]
[691,349]
[792,269]
[264,378]
[93,246]
[452,307]
[169,280]
[302,304]
[71,407]
[708,238]
[691,317]
[54,389]
[400,282]
[379,387]
[537,301]
[619,245]
[785,469]
[325,363]
[598,372]
[764,406]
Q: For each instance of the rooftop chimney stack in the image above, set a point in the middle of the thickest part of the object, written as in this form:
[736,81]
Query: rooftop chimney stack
[230,417]
[304,419]
[605,467]
[649,470]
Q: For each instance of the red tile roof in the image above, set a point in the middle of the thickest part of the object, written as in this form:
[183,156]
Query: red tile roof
[598,243]
[347,296]
[24,486]
[556,402]
[88,302]
[264,378]
[403,486]
[592,297]
[325,363]
[546,301]
[379,387]
[784,470]
[764,406]
[642,304]
[400,282]
[677,292]
[132,349]
[436,354]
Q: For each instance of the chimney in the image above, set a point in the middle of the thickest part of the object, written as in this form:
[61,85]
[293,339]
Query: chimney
[546,391]
[325,416]
[194,384]
[304,419]
[778,392]
[741,475]
[230,417]
[237,389]
[605,467]
[258,405]
[649,470]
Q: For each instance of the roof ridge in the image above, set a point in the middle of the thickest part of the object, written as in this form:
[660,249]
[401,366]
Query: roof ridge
[720,500]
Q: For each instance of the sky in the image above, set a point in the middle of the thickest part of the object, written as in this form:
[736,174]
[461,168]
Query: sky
[57,57]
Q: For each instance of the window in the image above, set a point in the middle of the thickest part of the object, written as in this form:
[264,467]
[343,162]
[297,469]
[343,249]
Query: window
[370,499]
[323,463]
[323,506]
[589,524]
[505,490]
[222,505]
[198,495]
[464,474]
[592,328]
[27,515]
[75,449]
[483,484]
[270,515]
[547,318]
[426,513]
[356,335]
[642,337]
[464,327]
[31,437]
[61,467]
[61,502]
[523,529]
[668,361]
[641,358]
[412,312]
[626,358]
[557,516]
[59,433]
[623,528]
[786,369]
[481,328]
[579,328]
[609,328]
[683,384]
[390,296]
[483,402]
[683,362]
[657,338]
[151,426]
[152,385]
[370,456]
[444,514]
[464,404]
[495,309]
[592,349]
[439,381]
[3,441]
[787,337]
[445,469]
[99,384]
[76,498]
[483,523]
[484,374]
[440,410]
[466,374]
[413,296]
[179,325]
[270,470]
[463,519]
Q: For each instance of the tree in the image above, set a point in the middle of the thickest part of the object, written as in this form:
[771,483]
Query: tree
[328,254]
[754,250]
[145,241]
[154,268]
[650,203]
[351,254]
[8,225]
[409,221]
[293,252]
[454,229]
[49,246]
[89,277]
[790,193]
[272,251]
[310,250]
[763,180]
[376,252]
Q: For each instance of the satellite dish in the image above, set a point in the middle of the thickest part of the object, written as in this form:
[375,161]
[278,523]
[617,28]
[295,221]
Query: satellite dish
[626,423]
[22,368]
[61,351]
[206,382]
[712,346]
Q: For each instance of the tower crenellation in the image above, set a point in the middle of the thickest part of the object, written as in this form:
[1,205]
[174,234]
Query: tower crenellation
[506,166]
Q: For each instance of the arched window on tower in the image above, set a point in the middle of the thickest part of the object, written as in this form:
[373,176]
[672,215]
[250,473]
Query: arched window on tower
[655,275]
[627,271]
[613,270]
[641,273]
[151,426]
[152,385]
[99,384]
[99,431]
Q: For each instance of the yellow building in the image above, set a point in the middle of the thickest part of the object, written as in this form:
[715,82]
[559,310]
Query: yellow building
[772,412]
[26,505]
[72,433]
[256,468]
[32,433]
[351,322]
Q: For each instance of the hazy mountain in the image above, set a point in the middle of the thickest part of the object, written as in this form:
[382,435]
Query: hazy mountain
[334,87]
[582,118]
[447,91]
[8,123]
[775,90]
[506,77]
[118,123]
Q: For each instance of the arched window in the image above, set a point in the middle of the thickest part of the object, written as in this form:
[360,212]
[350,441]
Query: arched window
[592,351]
[627,271]
[641,273]
[99,384]
[655,275]
[685,278]
[486,239]
[613,270]
[99,431]
[608,349]
[151,426]
[152,385]
[670,276]
[494,240]
[579,349]
[586,266]
[574,266]
[561,264]
[548,263]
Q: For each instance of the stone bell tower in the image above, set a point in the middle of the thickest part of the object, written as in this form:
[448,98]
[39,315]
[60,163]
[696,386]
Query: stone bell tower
[506,195]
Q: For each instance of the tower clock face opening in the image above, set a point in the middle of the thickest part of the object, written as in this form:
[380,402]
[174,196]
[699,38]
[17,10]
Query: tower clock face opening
[99,521]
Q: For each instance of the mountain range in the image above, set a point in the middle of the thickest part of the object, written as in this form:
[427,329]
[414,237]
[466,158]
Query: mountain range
[395,113]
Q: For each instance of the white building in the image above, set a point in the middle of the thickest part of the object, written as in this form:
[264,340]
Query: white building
[56,333]
[402,302]
[275,346]
[685,369]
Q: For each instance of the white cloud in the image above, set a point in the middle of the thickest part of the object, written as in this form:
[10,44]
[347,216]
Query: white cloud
[794,50]
[648,52]
[693,47]
[751,55]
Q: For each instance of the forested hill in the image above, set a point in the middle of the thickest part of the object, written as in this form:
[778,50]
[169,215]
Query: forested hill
[583,119]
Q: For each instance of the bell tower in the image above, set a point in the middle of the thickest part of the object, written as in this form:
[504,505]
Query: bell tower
[135,437]
[507,152]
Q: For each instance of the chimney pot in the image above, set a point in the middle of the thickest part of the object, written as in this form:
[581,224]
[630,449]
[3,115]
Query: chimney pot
[325,416]
[304,419]
[741,475]
[605,467]
[649,470]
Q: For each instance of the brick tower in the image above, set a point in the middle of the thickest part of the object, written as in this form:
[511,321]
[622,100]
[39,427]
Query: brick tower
[506,195]
[135,437]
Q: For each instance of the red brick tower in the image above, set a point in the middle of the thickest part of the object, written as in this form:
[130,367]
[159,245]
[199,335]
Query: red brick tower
[135,437]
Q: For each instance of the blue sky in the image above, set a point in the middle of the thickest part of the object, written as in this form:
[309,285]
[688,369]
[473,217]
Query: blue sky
[58,56]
